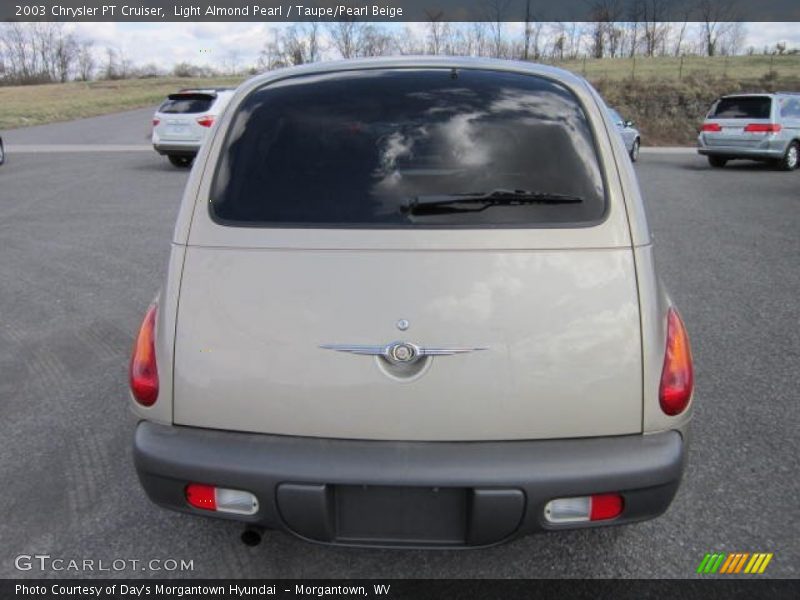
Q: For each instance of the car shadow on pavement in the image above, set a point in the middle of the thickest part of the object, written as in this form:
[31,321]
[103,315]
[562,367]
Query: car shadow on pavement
[742,166]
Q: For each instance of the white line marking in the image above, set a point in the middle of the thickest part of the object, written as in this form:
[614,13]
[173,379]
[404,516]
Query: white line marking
[668,150]
[69,148]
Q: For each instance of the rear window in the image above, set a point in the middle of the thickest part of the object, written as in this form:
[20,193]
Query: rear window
[359,148]
[743,107]
[187,103]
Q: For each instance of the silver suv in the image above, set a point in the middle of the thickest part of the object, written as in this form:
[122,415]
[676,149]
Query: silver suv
[763,127]
[413,302]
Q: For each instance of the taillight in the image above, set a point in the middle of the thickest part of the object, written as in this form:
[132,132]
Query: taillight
[156,122]
[711,127]
[209,497]
[598,507]
[201,496]
[143,370]
[206,121]
[677,376]
[762,128]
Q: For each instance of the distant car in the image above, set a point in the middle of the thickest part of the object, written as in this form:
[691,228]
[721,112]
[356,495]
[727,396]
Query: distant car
[413,302]
[181,123]
[764,127]
[630,135]
[2,152]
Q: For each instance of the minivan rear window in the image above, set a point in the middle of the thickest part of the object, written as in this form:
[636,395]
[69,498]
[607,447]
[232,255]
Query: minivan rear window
[743,107]
[187,103]
[369,148]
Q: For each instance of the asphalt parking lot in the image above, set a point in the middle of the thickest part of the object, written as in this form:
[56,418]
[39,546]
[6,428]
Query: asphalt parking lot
[84,238]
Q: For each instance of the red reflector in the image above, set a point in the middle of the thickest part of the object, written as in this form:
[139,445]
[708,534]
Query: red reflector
[763,128]
[201,496]
[156,122]
[677,376]
[711,127]
[143,372]
[605,506]
[206,121]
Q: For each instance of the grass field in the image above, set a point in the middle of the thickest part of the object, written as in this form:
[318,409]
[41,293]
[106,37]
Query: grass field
[667,68]
[666,96]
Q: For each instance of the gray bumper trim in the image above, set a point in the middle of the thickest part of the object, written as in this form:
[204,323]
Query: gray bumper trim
[177,149]
[741,152]
[645,468]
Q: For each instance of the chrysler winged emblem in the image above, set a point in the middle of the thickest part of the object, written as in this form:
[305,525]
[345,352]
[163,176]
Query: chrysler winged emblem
[401,353]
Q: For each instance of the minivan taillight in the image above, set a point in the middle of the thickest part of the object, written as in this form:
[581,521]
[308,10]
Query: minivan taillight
[206,121]
[762,128]
[677,376]
[711,127]
[156,122]
[143,370]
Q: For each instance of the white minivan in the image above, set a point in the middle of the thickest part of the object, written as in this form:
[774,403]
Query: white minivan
[413,302]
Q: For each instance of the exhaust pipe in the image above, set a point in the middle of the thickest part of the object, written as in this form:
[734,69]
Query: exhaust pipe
[252,534]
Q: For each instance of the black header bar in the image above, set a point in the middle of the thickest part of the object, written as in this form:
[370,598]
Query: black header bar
[156,11]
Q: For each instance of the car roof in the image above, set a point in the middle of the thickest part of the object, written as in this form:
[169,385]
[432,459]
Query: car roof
[205,90]
[750,94]
[562,76]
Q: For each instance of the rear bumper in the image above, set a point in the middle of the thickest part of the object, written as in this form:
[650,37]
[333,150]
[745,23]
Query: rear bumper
[768,150]
[315,488]
[189,150]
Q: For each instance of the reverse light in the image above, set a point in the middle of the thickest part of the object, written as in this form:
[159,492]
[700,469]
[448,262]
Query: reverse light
[143,372]
[677,376]
[206,121]
[713,127]
[763,128]
[208,497]
[598,507]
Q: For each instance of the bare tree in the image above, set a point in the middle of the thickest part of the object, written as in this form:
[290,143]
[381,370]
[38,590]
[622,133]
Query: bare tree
[86,62]
[407,42]
[357,38]
[436,28]
[375,41]
[296,45]
[346,35]
[38,52]
[604,32]
[66,52]
[495,12]
[717,17]
[531,35]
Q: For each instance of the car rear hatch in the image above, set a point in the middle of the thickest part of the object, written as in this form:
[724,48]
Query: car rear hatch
[178,116]
[728,121]
[499,321]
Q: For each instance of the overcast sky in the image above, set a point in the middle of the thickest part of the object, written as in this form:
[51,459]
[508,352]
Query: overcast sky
[212,43]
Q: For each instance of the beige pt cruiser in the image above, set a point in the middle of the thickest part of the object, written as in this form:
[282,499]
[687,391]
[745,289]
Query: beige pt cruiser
[412,302]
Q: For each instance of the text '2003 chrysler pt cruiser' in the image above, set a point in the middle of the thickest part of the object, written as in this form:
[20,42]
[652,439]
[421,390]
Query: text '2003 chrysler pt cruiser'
[413,302]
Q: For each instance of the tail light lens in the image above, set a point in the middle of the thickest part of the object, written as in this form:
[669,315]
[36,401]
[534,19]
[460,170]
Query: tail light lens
[156,122]
[143,370]
[762,128]
[677,376]
[206,121]
[598,507]
[711,127]
[209,497]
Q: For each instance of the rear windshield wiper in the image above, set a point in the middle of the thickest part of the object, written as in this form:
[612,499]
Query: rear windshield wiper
[496,197]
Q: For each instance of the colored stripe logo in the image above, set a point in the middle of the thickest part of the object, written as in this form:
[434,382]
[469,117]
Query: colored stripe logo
[753,563]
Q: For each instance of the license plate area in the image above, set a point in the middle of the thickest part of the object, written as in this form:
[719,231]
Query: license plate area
[401,515]
[417,516]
